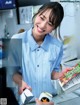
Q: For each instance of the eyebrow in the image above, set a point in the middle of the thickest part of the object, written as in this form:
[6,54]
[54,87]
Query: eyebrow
[43,15]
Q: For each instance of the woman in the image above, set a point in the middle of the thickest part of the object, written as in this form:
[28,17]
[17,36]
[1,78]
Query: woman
[41,53]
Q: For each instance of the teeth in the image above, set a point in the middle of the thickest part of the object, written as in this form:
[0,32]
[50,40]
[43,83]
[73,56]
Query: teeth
[39,29]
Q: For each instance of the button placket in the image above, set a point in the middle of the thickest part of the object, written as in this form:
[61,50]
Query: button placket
[37,56]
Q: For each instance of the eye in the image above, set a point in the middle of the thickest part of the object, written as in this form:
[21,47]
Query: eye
[50,23]
[42,18]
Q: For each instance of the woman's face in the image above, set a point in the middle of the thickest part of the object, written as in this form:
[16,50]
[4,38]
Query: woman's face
[42,24]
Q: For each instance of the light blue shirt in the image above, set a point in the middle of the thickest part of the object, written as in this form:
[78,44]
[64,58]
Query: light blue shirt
[38,61]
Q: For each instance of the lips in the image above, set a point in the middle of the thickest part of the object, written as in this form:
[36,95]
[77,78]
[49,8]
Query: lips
[39,29]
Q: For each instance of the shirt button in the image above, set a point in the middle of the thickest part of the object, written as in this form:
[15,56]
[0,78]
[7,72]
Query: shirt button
[37,49]
[37,65]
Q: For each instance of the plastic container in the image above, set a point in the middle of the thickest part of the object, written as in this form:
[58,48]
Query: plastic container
[45,97]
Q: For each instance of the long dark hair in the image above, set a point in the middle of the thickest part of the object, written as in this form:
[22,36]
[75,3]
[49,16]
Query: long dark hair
[56,15]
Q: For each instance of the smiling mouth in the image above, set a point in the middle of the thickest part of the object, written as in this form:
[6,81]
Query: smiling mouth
[39,29]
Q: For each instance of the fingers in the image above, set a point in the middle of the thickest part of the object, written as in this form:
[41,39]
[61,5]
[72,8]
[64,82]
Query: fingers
[50,103]
[66,70]
[37,102]
[28,87]
[21,89]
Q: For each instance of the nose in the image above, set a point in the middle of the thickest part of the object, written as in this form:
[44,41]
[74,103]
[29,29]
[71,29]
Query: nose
[43,24]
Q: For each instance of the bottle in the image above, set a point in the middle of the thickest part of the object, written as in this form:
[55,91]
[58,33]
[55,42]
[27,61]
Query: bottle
[45,97]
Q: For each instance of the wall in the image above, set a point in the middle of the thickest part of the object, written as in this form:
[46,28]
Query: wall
[71,21]
[70,28]
[9,18]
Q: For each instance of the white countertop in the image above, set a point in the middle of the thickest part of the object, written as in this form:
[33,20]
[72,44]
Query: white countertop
[67,99]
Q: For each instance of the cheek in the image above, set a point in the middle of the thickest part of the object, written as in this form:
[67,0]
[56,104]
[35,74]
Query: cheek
[49,29]
[37,20]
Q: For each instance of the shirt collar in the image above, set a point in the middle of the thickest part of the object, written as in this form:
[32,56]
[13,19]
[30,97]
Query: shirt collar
[45,44]
[33,43]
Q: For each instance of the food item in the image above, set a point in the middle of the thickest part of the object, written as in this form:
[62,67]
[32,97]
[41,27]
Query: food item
[26,96]
[69,74]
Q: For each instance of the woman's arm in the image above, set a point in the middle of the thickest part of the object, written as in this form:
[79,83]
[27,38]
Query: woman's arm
[17,78]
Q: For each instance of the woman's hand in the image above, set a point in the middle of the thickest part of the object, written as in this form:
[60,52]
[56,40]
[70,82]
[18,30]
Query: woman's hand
[64,71]
[24,86]
[38,102]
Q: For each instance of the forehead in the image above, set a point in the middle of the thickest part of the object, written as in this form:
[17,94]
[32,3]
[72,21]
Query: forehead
[45,12]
